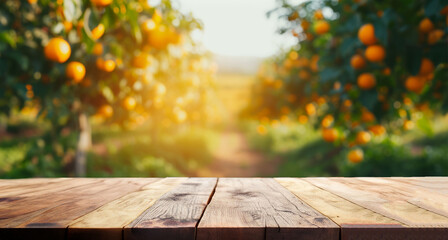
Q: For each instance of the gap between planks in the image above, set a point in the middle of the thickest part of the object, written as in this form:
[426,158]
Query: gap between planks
[203,211]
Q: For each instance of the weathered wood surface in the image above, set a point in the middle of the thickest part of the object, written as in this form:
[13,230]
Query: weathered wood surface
[256,208]
[176,214]
[224,208]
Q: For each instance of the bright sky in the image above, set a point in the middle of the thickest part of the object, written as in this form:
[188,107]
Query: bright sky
[237,27]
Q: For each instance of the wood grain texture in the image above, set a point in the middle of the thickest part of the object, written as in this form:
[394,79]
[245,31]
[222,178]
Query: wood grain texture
[261,209]
[55,211]
[107,222]
[16,209]
[228,208]
[176,214]
[338,209]
[41,187]
[27,183]
[381,199]
[429,200]
[434,184]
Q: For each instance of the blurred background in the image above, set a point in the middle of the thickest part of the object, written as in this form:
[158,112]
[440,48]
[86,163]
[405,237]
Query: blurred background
[155,88]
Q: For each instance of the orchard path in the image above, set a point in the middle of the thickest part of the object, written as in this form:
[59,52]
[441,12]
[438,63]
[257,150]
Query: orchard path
[233,157]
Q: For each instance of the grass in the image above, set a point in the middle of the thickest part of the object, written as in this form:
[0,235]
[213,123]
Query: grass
[305,154]
[117,153]
[137,154]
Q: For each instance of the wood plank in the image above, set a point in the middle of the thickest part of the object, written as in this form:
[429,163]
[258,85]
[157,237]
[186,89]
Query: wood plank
[29,190]
[176,214]
[107,222]
[418,223]
[261,209]
[55,211]
[429,200]
[16,209]
[21,183]
[435,184]
[338,209]
[382,200]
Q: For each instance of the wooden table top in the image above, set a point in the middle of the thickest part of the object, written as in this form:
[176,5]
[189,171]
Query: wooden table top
[224,208]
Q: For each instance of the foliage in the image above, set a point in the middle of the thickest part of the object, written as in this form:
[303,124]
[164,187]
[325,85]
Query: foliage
[122,62]
[305,154]
[360,68]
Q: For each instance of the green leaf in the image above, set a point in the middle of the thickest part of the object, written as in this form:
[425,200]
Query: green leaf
[348,46]
[8,38]
[368,99]
[432,7]
[329,74]
[425,125]
[380,30]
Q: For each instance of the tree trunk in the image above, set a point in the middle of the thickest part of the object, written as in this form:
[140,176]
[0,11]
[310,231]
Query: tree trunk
[84,144]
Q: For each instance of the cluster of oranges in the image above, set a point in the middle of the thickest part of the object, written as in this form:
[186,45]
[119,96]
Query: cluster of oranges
[111,64]
[329,92]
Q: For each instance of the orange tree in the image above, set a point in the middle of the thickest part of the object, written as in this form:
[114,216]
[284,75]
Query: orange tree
[360,68]
[119,61]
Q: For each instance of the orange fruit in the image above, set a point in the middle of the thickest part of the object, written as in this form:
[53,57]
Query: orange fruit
[321,27]
[57,50]
[366,34]
[148,25]
[377,130]
[261,129]
[355,155]
[293,16]
[75,71]
[425,26]
[105,65]
[375,53]
[357,61]
[363,137]
[408,125]
[304,74]
[310,109]
[444,10]
[158,37]
[305,25]
[109,65]
[415,84]
[98,31]
[367,116]
[129,103]
[140,60]
[68,26]
[435,35]
[330,134]
[327,121]
[426,67]
[101,3]
[318,15]
[386,71]
[293,55]
[303,119]
[157,16]
[98,49]
[106,111]
[366,81]
[347,103]
[32,1]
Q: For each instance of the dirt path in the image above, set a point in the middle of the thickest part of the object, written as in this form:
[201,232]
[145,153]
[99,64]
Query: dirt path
[234,158]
